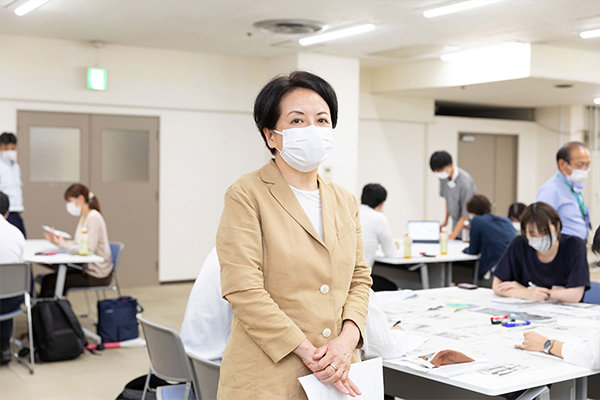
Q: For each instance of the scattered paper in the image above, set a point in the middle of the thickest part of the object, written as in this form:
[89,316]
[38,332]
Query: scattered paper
[366,375]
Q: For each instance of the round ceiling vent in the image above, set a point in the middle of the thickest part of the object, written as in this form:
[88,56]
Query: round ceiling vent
[290,26]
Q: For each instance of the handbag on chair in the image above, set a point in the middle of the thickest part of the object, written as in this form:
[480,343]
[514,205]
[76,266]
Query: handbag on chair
[116,319]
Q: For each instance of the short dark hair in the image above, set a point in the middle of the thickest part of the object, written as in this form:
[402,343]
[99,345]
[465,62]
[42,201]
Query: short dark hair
[8,138]
[542,215]
[564,153]
[479,205]
[267,106]
[515,210]
[439,160]
[373,194]
[4,204]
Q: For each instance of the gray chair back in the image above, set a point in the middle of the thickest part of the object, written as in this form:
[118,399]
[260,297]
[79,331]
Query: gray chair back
[15,280]
[206,373]
[165,350]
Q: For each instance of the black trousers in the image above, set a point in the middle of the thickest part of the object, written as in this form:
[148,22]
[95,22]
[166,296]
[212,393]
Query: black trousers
[72,279]
[6,306]
[15,219]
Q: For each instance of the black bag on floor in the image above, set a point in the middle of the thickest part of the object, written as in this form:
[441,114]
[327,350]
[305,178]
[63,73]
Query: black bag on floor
[135,388]
[57,334]
[116,319]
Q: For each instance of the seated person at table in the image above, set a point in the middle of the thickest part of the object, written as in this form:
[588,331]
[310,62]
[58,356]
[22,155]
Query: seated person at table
[541,264]
[12,246]
[83,204]
[514,214]
[488,235]
[376,230]
[207,321]
[585,353]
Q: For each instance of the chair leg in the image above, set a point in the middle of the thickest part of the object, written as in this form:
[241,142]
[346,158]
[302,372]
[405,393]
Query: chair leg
[117,284]
[87,302]
[147,384]
[186,395]
[30,332]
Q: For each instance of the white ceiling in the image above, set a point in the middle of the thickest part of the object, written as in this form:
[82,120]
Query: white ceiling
[226,26]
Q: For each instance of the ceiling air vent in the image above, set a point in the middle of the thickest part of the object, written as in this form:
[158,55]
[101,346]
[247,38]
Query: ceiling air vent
[290,26]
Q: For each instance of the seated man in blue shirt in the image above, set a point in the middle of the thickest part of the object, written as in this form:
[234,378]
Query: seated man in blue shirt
[564,190]
[542,264]
[488,235]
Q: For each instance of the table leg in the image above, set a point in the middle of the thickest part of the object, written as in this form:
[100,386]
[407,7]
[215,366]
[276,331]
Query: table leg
[60,281]
[581,388]
[424,271]
[448,274]
[476,273]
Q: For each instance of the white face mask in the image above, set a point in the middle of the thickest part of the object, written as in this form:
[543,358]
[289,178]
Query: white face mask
[542,244]
[9,155]
[304,149]
[578,175]
[517,226]
[73,209]
[442,175]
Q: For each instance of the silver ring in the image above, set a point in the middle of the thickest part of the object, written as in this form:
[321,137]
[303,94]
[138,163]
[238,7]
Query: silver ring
[333,366]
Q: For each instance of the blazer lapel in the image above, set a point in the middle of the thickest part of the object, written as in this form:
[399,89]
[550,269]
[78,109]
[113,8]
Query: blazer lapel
[286,198]
[328,202]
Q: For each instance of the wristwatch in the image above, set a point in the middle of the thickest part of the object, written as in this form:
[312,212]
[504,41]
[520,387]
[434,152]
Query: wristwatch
[548,345]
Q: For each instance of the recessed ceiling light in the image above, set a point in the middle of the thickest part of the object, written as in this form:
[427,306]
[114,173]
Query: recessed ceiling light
[337,34]
[290,26]
[457,7]
[597,100]
[594,33]
[29,6]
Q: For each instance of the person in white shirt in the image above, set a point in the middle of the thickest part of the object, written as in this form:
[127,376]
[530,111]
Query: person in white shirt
[376,230]
[10,179]
[11,252]
[207,321]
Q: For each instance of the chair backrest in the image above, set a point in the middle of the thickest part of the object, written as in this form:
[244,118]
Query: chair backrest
[15,279]
[592,296]
[115,250]
[206,373]
[165,350]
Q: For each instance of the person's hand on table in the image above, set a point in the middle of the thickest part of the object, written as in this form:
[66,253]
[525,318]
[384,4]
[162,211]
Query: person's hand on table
[335,360]
[532,341]
[537,294]
[55,239]
[509,285]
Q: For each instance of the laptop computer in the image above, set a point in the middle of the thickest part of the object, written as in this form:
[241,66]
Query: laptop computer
[424,231]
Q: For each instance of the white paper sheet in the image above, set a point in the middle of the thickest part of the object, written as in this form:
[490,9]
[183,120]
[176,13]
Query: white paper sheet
[367,375]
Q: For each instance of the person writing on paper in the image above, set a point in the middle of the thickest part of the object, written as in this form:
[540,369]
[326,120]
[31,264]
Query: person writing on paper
[376,230]
[291,254]
[456,187]
[83,204]
[542,264]
[12,246]
[10,179]
[488,235]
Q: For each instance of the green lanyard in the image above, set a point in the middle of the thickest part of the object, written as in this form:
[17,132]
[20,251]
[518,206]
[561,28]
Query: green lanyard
[578,196]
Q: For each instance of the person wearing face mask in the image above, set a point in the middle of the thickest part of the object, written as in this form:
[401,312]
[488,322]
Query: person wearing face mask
[291,254]
[514,214]
[82,203]
[543,264]
[564,190]
[456,187]
[10,179]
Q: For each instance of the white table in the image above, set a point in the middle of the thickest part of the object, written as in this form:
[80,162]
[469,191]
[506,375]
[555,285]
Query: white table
[439,264]
[492,346]
[61,260]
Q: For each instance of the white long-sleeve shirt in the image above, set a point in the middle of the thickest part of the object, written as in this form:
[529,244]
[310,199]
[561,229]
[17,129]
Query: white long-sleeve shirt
[11,185]
[376,231]
[585,353]
[12,243]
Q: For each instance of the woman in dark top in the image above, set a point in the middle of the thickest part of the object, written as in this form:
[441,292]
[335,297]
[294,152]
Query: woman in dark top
[542,264]
[488,233]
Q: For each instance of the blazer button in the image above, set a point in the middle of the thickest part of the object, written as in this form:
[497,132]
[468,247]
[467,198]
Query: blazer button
[326,332]
[324,289]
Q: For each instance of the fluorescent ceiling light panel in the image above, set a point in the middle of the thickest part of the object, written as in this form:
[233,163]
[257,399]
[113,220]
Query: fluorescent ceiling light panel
[597,100]
[29,6]
[594,33]
[457,7]
[507,49]
[337,34]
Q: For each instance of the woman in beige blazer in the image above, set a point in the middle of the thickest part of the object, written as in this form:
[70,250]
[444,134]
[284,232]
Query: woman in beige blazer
[291,255]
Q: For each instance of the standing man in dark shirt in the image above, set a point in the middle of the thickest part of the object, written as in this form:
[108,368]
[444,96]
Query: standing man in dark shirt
[542,264]
[456,187]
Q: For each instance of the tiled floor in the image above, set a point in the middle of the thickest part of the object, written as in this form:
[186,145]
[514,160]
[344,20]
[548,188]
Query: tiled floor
[102,377]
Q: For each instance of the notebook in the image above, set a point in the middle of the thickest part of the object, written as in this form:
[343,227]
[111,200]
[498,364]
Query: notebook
[424,231]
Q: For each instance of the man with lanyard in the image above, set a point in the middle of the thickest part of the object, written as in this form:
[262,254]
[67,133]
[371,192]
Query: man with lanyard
[564,190]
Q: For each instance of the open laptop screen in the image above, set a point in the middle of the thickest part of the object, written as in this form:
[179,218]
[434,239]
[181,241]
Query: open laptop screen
[424,231]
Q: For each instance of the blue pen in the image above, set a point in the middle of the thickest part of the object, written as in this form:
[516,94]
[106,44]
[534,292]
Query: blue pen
[512,324]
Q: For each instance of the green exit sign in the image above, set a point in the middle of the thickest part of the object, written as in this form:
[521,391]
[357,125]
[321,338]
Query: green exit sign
[97,79]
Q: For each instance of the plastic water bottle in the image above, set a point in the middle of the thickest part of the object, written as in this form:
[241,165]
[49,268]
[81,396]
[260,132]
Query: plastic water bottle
[444,242]
[407,246]
[83,243]
[465,232]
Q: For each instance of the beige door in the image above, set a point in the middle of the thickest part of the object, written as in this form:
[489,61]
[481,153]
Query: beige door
[117,158]
[492,162]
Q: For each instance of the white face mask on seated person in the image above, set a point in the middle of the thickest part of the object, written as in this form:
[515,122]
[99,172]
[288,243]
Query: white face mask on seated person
[73,209]
[542,243]
[304,149]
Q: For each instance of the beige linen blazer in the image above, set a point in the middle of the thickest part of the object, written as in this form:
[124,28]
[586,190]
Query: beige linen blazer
[284,282]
